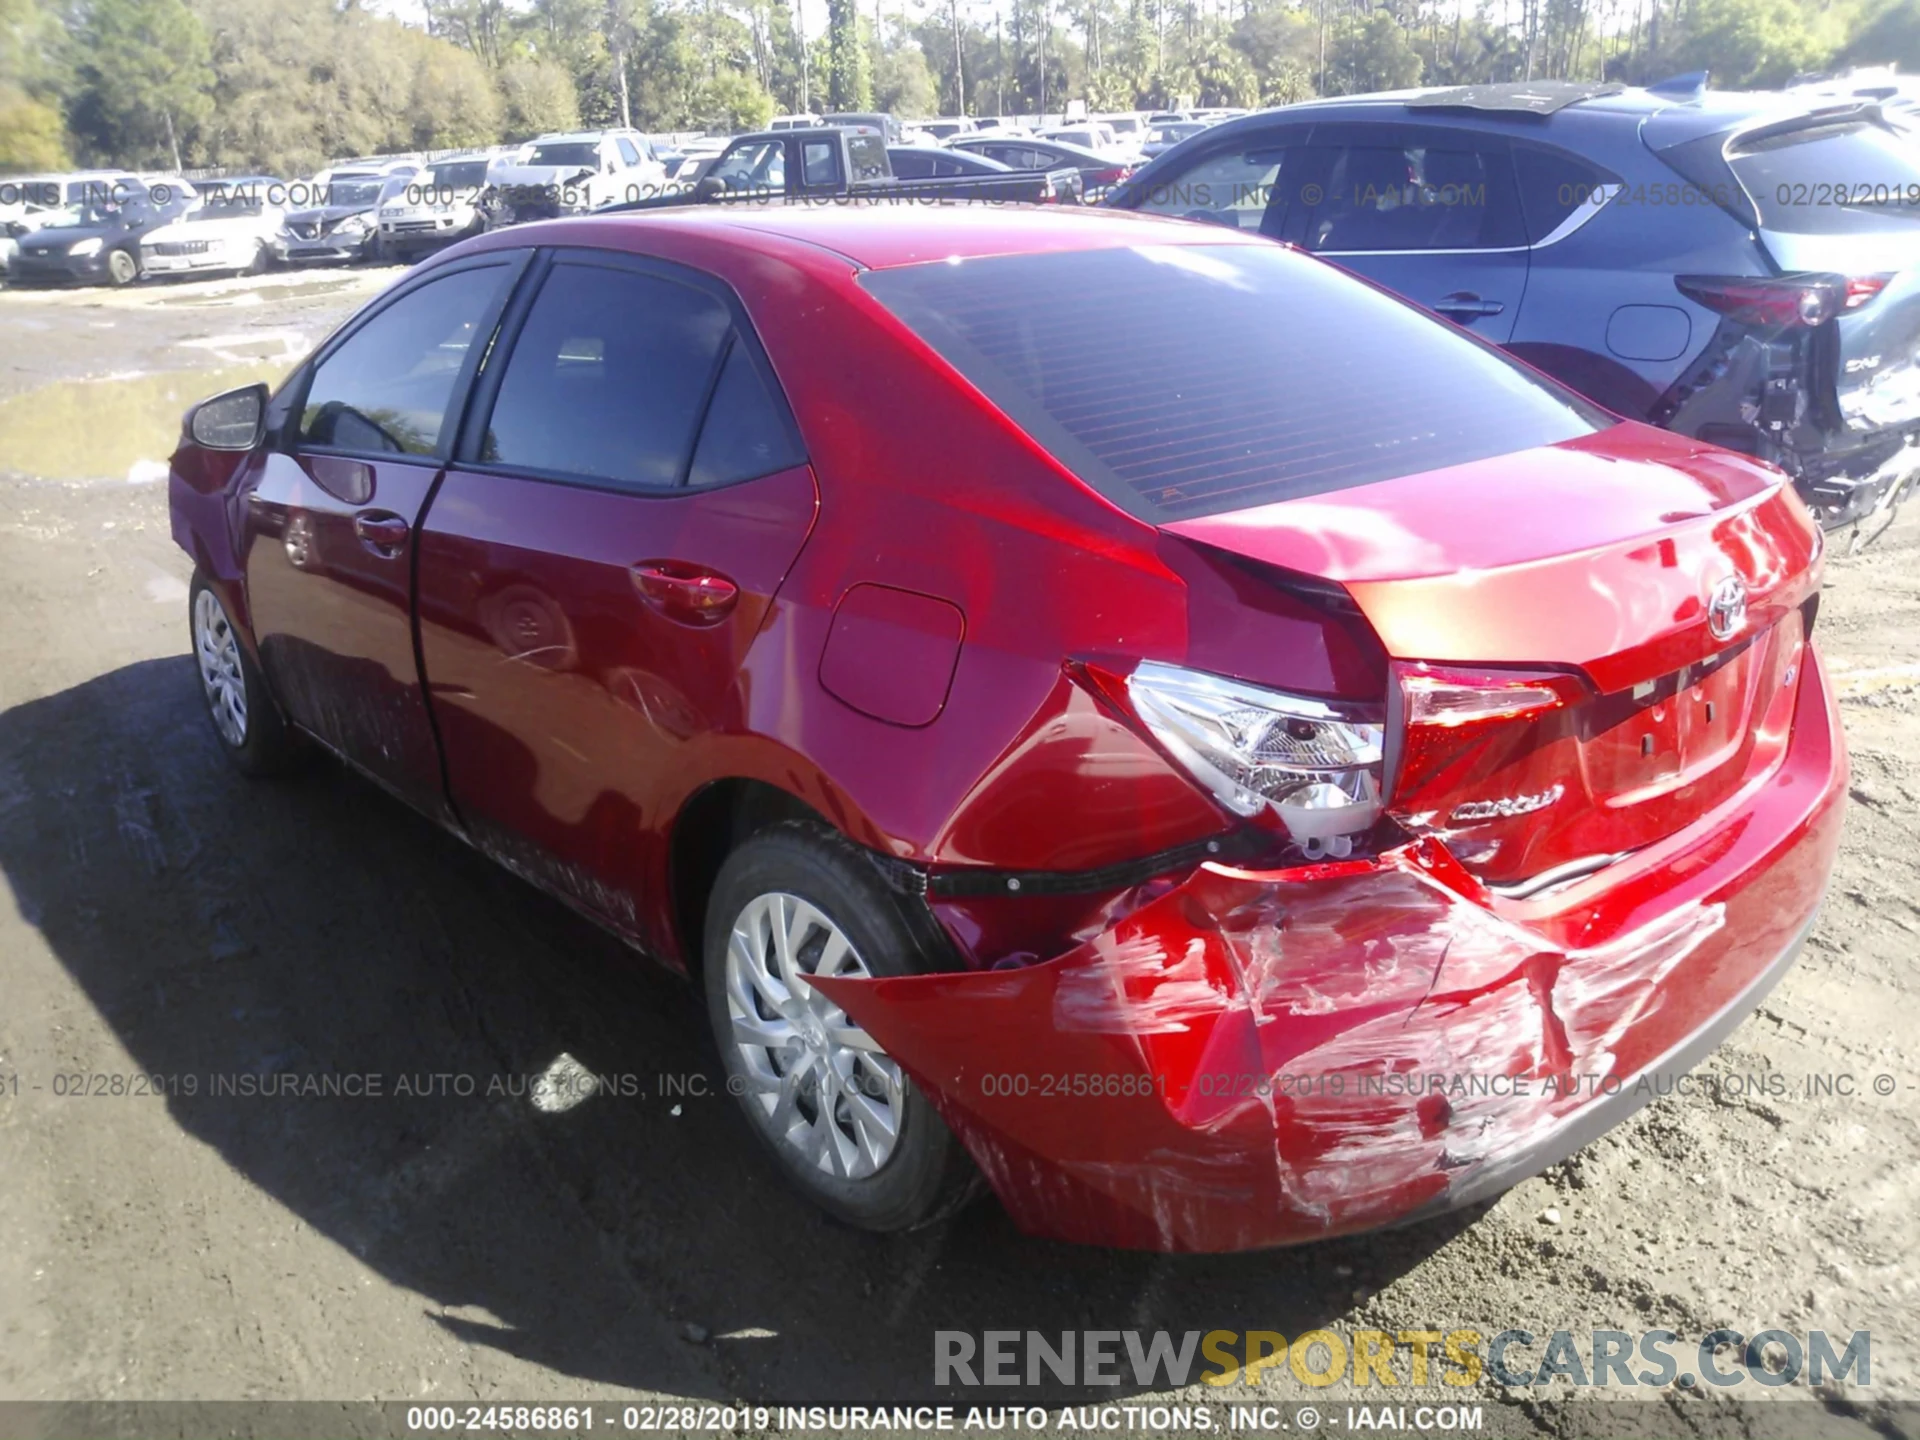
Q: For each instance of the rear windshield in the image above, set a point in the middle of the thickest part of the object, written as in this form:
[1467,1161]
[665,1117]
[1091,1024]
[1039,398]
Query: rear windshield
[1831,179]
[461,174]
[354,192]
[1185,380]
[569,152]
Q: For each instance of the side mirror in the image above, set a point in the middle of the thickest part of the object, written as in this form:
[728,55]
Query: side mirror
[709,187]
[232,421]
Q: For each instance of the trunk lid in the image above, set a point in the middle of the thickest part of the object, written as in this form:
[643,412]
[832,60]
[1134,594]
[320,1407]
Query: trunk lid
[1595,643]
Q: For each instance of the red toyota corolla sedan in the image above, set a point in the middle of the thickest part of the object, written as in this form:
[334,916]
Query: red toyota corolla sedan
[1104,704]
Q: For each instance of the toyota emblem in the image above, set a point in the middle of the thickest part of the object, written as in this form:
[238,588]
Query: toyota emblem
[1727,610]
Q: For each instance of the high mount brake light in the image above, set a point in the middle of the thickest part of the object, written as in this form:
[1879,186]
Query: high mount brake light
[1315,766]
[1785,301]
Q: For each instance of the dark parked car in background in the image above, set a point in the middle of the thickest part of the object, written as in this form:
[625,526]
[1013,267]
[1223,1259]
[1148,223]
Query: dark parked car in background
[102,241]
[1744,269]
[1098,173]
[926,162]
[1162,138]
[844,162]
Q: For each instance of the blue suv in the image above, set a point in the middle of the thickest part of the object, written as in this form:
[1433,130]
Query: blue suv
[1744,269]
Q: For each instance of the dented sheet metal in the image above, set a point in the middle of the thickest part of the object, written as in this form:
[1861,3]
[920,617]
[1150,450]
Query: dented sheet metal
[1258,1059]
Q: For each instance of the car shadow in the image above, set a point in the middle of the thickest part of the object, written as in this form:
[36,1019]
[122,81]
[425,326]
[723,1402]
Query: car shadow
[314,936]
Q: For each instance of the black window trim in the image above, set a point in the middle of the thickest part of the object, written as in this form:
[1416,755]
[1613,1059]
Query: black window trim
[486,390]
[1607,188]
[486,339]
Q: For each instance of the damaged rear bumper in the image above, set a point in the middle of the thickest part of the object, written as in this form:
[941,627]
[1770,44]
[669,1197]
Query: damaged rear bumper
[1265,1058]
[1839,500]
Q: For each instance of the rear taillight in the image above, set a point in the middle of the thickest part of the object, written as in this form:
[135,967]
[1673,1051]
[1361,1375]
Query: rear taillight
[1862,288]
[1784,301]
[1112,175]
[1314,766]
[1454,720]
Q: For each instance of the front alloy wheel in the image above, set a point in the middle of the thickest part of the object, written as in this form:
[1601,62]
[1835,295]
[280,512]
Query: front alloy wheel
[817,1084]
[217,649]
[244,716]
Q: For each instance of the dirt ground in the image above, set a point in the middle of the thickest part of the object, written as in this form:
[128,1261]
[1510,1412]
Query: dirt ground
[168,918]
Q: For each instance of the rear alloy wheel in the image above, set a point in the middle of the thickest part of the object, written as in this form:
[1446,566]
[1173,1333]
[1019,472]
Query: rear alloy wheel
[798,901]
[244,716]
[122,268]
[816,1082]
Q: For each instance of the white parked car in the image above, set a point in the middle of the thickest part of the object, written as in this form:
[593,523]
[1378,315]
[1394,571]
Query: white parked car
[793,122]
[442,204]
[945,127]
[234,228]
[571,174]
[1098,137]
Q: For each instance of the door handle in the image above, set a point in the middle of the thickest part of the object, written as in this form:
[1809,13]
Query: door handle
[381,531]
[1465,305]
[687,593]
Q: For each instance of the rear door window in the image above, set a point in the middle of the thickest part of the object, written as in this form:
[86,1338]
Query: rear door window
[1555,187]
[1019,157]
[608,377]
[1411,190]
[748,431]
[1183,380]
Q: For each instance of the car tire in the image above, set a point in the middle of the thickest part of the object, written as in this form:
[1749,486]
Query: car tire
[891,1166]
[122,268]
[261,260]
[245,719]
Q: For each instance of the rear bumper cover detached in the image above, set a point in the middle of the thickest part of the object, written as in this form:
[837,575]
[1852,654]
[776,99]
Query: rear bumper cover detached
[1264,1058]
[1839,499]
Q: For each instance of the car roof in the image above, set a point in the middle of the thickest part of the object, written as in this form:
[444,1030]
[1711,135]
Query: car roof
[880,237]
[1077,153]
[1670,116]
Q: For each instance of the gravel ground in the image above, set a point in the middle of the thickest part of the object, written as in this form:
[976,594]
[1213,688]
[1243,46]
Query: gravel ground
[168,918]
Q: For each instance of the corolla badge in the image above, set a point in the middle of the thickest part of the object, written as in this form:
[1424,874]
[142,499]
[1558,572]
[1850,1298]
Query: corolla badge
[1727,609]
[1511,805]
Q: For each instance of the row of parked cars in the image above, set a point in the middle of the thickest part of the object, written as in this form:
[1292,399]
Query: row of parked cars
[114,227]
[1744,269]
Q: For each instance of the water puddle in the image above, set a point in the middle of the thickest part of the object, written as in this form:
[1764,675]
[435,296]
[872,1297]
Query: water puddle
[104,429]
